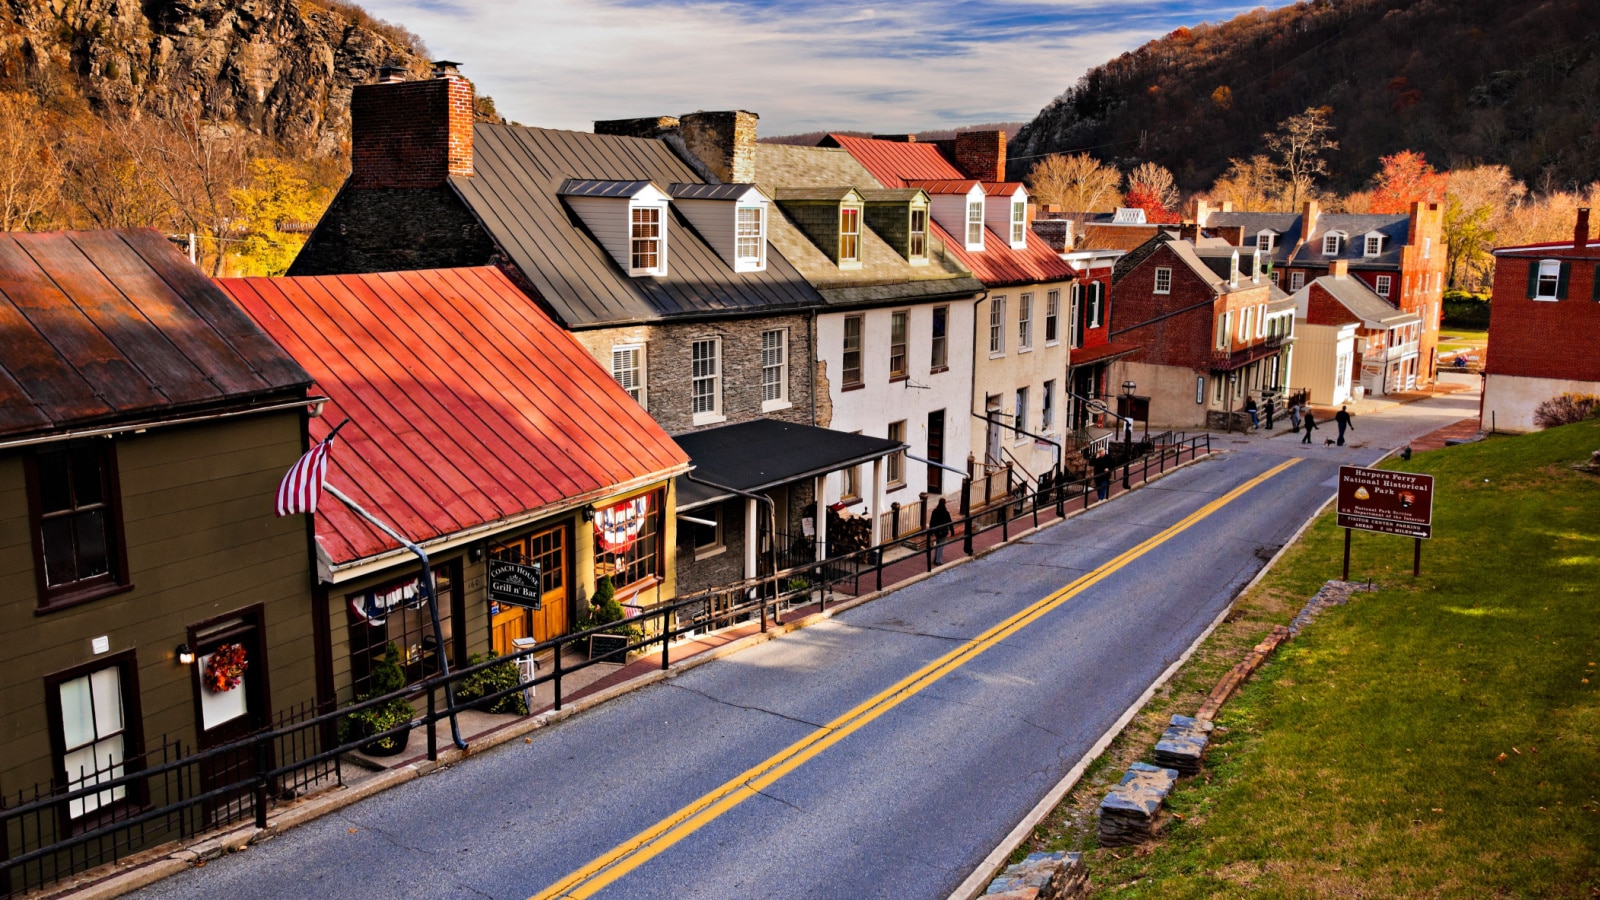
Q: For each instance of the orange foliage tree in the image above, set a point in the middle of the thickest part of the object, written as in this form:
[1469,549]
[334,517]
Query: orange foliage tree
[1406,178]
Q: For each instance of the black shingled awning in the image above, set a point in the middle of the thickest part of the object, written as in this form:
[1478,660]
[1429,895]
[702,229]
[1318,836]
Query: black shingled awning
[753,456]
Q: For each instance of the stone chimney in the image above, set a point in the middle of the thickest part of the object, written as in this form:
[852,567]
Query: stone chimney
[981,154]
[725,142]
[1339,268]
[1580,233]
[411,134]
[652,127]
[1308,219]
[897,138]
[1202,212]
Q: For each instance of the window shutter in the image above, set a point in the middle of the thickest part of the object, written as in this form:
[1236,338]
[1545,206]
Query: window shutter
[1596,292]
[1561,282]
[1533,278]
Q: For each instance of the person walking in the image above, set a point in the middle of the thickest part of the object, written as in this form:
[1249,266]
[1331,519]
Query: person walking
[1311,425]
[1251,408]
[1102,480]
[1342,419]
[1294,417]
[939,528]
[1267,409]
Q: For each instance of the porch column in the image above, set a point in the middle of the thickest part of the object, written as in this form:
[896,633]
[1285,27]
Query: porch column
[822,518]
[752,532]
[876,505]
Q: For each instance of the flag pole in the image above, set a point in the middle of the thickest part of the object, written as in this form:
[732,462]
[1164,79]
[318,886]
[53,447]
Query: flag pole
[427,583]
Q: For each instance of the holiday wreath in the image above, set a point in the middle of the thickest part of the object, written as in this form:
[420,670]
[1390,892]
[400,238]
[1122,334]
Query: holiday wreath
[225,668]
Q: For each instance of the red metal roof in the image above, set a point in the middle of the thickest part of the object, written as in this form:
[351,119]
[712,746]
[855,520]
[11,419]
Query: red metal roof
[897,164]
[116,326]
[467,404]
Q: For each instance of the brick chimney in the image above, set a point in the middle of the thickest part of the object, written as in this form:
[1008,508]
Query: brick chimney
[1580,233]
[1202,212]
[1339,268]
[725,142]
[981,155]
[411,134]
[1308,218]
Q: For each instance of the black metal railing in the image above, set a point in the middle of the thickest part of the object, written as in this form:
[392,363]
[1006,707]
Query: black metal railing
[174,793]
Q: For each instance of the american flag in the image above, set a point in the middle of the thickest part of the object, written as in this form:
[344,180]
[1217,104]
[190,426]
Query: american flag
[302,484]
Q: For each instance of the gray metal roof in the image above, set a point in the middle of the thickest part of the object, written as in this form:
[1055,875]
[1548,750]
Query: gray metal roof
[514,192]
[1290,251]
[709,191]
[592,187]
[764,453]
[823,194]
[891,195]
[1354,295]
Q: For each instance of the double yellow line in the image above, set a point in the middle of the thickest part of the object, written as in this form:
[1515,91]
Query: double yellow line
[647,844]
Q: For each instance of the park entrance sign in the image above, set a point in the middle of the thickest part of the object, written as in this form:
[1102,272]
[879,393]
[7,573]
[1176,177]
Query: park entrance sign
[1386,502]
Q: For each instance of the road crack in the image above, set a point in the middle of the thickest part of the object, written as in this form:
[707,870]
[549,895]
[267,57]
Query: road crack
[759,709]
[907,631]
[392,839]
[778,800]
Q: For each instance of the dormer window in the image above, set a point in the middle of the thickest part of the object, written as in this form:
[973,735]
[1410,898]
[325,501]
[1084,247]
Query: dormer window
[750,239]
[1266,240]
[975,225]
[919,234]
[849,234]
[646,241]
[1330,244]
[1373,245]
[1019,222]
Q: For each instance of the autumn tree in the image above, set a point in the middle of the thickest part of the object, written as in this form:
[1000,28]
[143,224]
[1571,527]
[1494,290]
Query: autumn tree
[1250,185]
[277,195]
[30,171]
[1406,178]
[1076,183]
[1298,145]
[104,186]
[1151,188]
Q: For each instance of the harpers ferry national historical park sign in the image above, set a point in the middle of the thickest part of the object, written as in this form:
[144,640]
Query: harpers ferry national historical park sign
[1399,503]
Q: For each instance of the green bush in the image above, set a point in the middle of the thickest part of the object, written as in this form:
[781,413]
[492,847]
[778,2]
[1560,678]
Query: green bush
[492,680]
[603,608]
[1466,310]
[387,678]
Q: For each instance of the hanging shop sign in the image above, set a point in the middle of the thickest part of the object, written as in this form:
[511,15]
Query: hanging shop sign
[515,584]
[373,607]
[616,528]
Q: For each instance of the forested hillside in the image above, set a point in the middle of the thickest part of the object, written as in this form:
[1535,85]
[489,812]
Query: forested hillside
[1462,81]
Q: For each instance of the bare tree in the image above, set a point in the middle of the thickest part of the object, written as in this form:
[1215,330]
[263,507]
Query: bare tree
[1156,183]
[1250,185]
[29,169]
[1299,144]
[1076,183]
[105,186]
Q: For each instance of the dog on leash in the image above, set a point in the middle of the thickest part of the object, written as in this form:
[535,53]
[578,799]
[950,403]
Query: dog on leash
[1328,442]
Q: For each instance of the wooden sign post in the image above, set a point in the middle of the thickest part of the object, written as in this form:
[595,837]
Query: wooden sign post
[1388,503]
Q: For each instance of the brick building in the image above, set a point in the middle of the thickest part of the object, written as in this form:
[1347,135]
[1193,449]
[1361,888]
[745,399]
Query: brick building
[1207,339]
[1544,327]
[1400,257]
[1347,335]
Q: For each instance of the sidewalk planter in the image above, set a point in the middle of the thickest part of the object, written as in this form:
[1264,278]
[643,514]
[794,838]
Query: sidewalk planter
[387,678]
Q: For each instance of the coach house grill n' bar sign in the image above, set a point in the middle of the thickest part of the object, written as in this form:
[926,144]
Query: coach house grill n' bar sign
[1386,502]
[515,584]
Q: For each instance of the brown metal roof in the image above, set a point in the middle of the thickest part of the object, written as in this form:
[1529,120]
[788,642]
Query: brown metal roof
[106,326]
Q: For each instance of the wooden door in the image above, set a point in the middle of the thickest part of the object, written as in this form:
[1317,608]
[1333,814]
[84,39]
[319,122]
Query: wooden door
[232,712]
[550,550]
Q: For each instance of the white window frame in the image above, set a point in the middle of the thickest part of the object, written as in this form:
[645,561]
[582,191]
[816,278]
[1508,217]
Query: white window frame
[859,350]
[939,344]
[1075,317]
[636,253]
[1200,389]
[1047,407]
[1097,304]
[917,243]
[1548,269]
[1052,318]
[775,346]
[1372,245]
[94,750]
[631,377]
[975,223]
[1224,330]
[697,375]
[718,543]
[997,326]
[1266,240]
[1384,285]
[1427,247]
[1019,224]
[900,321]
[895,463]
[1021,420]
[1163,283]
[850,215]
[1025,323]
[750,249]
[1297,280]
[1331,243]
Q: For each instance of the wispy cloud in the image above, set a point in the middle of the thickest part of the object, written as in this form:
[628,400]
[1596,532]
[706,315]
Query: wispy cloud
[898,65]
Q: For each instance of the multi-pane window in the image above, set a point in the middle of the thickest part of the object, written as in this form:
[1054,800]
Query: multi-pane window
[627,367]
[706,376]
[898,366]
[851,375]
[1330,245]
[1264,241]
[997,325]
[75,521]
[1052,317]
[395,613]
[1022,413]
[1548,285]
[1075,318]
[646,238]
[94,737]
[640,558]
[1374,245]
[975,224]
[750,242]
[1163,280]
[849,234]
[1024,322]
[1019,222]
[1385,284]
[774,365]
[897,460]
[938,359]
[1047,407]
[919,233]
[1297,280]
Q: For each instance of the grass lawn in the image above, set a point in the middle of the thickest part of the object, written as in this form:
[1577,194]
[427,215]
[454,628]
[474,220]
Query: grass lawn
[1453,339]
[1437,738]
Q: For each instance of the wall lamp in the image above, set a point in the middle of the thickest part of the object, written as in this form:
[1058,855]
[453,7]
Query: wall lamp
[1128,388]
[184,655]
[588,513]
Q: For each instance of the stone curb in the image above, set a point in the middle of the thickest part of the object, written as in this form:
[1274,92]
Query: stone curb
[158,863]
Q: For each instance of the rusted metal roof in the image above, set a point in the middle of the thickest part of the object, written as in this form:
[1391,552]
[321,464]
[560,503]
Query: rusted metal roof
[922,165]
[467,404]
[100,327]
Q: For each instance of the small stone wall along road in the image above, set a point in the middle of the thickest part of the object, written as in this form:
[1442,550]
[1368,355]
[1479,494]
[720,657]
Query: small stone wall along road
[881,754]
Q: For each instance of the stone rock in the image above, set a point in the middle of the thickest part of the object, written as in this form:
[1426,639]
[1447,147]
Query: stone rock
[1128,812]
[1183,744]
[1042,876]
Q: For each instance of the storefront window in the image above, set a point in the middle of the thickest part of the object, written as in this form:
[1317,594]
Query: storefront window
[398,612]
[627,540]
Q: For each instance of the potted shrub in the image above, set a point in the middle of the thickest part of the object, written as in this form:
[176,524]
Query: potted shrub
[502,676]
[387,678]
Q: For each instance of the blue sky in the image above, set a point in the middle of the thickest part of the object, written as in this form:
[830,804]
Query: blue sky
[802,65]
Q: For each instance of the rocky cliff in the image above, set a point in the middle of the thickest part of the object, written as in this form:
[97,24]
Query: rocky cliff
[281,68]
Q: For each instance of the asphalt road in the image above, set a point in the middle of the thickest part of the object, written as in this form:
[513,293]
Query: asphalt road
[905,804]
